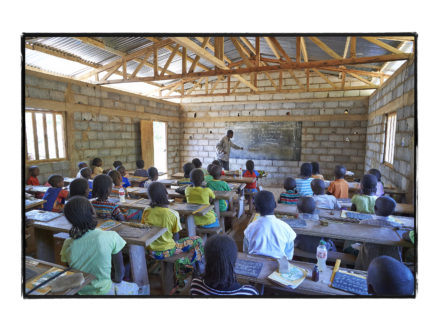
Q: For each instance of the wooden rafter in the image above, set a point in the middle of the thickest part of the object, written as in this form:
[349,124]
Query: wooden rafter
[170,59]
[347,44]
[211,47]
[323,76]
[362,79]
[219,48]
[383,45]
[214,86]
[325,48]
[197,58]
[353,47]
[272,47]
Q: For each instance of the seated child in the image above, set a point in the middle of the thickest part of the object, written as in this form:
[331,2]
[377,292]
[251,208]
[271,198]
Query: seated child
[383,207]
[198,164]
[187,168]
[93,251]
[153,175]
[307,211]
[290,196]
[86,173]
[218,185]
[250,173]
[216,162]
[102,187]
[79,187]
[117,183]
[116,164]
[81,165]
[140,171]
[339,187]
[365,203]
[388,277]
[34,172]
[267,235]
[376,173]
[209,177]
[123,172]
[219,277]
[199,195]
[315,171]
[56,195]
[96,166]
[169,243]
[322,200]
[303,182]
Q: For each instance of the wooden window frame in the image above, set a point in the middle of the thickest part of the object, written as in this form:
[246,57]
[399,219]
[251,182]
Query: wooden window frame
[46,141]
[387,136]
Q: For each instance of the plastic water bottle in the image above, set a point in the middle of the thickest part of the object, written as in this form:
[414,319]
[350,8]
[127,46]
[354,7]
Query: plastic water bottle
[321,255]
[241,173]
[121,195]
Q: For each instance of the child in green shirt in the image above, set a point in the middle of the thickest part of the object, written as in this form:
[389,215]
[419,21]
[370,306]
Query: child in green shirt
[218,185]
[365,203]
[209,176]
[187,168]
[203,196]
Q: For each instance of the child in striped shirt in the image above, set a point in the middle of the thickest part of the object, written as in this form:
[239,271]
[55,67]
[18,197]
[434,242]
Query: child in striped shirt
[290,196]
[303,183]
[102,187]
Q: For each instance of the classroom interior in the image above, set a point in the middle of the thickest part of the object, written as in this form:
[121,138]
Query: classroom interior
[166,99]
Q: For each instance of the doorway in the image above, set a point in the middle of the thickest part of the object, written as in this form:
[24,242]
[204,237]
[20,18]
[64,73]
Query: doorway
[160,146]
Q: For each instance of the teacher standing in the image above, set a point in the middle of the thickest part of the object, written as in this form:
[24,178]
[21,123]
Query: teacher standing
[224,149]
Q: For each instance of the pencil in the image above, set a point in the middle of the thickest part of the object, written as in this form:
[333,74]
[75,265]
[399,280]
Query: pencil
[335,269]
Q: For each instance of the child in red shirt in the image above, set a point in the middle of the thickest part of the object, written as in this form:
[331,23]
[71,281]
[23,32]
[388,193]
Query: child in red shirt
[56,195]
[34,172]
[250,173]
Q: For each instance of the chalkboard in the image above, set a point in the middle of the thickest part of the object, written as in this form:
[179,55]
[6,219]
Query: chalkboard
[267,140]
[248,268]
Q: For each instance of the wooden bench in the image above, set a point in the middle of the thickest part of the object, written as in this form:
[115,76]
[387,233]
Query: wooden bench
[167,271]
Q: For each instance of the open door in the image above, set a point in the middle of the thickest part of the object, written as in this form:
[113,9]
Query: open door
[147,142]
[154,144]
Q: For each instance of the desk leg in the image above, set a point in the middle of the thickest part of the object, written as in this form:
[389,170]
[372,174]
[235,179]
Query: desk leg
[44,244]
[167,273]
[217,212]
[190,225]
[240,207]
[139,270]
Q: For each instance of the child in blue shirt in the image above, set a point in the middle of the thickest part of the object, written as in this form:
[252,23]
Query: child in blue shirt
[86,173]
[123,172]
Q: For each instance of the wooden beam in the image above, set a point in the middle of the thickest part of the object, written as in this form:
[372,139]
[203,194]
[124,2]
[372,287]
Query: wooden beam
[343,80]
[397,38]
[170,59]
[156,71]
[323,76]
[229,84]
[257,51]
[280,80]
[110,73]
[235,86]
[124,69]
[140,65]
[360,72]
[353,47]
[298,49]
[197,84]
[272,47]
[280,49]
[242,52]
[347,44]
[308,80]
[186,42]
[197,58]
[183,60]
[304,49]
[272,68]
[207,85]
[249,45]
[325,48]
[219,50]
[211,47]
[34,124]
[54,122]
[362,79]
[214,86]
[383,45]
[296,79]
[270,79]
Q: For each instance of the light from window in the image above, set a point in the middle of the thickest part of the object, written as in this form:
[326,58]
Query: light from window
[390,136]
[44,135]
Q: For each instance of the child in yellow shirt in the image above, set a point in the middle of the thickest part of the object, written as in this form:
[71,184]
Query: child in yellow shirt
[169,243]
[200,195]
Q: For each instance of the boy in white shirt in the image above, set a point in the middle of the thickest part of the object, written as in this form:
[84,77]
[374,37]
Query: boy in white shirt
[81,165]
[323,201]
[268,236]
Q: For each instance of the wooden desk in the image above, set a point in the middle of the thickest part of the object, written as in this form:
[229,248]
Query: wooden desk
[33,204]
[168,182]
[223,178]
[136,180]
[68,181]
[307,287]
[36,189]
[401,208]
[131,173]
[40,266]
[136,246]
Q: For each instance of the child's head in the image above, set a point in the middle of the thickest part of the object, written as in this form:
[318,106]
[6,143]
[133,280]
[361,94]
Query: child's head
[79,187]
[56,181]
[289,183]
[318,186]
[315,168]
[376,173]
[34,171]
[250,165]
[216,162]
[116,177]
[265,202]
[187,168]
[384,206]
[86,173]
[117,163]
[158,195]
[197,177]
[82,165]
[220,257]
[97,162]
[306,204]
[369,184]
[121,170]
[80,213]
[102,187]
[153,174]
[340,171]
[209,169]
[216,172]
[306,170]
[197,163]
[389,277]
[140,163]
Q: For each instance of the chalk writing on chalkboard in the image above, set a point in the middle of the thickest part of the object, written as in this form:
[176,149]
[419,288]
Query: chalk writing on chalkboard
[248,268]
[267,140]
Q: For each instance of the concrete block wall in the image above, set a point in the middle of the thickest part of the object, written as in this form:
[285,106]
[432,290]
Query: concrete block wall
[401,174]
[94,134]
[322,141]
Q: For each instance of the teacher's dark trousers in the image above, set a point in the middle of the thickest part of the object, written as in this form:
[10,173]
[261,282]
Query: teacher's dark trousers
[224,164]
